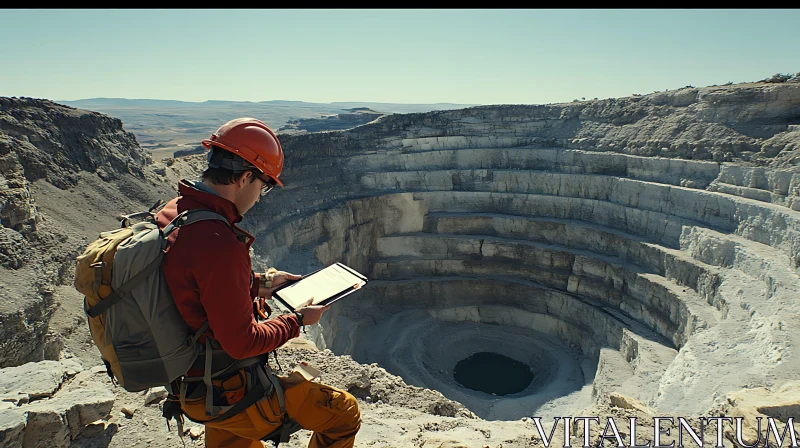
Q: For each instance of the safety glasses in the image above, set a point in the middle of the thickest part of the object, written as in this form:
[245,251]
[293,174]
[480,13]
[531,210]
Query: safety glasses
[269,184]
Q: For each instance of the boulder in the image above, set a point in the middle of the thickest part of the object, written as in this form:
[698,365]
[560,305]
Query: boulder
[57,421]
[762,403]
[12,426]
[621,401]
[155,395]
[35,380]
[38,408]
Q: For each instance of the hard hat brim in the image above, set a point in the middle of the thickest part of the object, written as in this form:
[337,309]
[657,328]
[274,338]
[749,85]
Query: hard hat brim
[207,143]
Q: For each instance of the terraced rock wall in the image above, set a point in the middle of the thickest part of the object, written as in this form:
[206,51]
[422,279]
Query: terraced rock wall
[669,280]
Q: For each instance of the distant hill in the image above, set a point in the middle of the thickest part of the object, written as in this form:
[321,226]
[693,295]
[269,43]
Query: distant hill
[122,102]
[381,107]
[166,126]
[399,108]
[338,122]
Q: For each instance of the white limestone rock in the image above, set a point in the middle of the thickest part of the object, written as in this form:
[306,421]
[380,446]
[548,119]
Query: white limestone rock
[12,426]
[55,422]
[35,380]
[42,411]
[155,395]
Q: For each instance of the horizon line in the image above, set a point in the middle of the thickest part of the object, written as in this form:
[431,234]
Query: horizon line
[257,102]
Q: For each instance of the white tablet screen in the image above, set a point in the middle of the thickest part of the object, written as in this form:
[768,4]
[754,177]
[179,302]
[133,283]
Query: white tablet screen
[321,285]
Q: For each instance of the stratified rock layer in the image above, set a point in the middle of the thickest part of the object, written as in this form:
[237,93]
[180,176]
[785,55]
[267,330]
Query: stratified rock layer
[645,247]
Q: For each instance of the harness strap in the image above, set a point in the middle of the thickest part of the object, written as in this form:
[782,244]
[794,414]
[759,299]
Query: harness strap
[259,390]
[260,385]
[177,414]
[211,410]
[182,394]
[209,375]
[225,410]
[252,397]
[221,362]
[266,375]
[199,333]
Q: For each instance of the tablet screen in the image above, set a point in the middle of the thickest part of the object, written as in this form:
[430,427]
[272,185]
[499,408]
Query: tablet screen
[321,285]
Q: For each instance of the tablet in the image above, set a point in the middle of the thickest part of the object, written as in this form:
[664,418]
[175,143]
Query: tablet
[326,285]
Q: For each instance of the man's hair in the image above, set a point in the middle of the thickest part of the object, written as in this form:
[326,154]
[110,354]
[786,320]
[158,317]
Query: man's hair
[222,176]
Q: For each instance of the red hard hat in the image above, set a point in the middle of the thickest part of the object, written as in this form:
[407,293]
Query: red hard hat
[253,141]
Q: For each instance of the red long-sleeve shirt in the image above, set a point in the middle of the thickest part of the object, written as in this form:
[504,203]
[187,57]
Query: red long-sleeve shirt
[210,276]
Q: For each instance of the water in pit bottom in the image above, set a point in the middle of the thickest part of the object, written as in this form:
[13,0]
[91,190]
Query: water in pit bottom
[493,373]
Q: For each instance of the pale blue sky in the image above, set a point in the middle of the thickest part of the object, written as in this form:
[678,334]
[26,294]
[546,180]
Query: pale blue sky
[405,56]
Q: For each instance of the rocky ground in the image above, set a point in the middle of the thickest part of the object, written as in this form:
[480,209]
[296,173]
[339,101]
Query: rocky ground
[95,414]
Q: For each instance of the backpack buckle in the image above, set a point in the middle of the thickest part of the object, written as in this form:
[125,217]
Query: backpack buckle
[160,203]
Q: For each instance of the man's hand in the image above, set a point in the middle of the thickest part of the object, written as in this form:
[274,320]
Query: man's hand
[282,277]
[311,313]
[278,279]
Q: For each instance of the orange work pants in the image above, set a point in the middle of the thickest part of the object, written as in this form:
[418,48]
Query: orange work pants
[331,413]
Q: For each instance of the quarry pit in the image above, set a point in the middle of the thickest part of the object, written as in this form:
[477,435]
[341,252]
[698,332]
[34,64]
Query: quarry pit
[601,273]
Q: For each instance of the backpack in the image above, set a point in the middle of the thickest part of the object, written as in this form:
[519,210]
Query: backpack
[143,339]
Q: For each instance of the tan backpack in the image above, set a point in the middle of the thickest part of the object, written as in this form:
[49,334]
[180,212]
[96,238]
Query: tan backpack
[142,337]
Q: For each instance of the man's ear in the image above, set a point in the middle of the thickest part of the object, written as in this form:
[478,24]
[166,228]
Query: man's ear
[244,179]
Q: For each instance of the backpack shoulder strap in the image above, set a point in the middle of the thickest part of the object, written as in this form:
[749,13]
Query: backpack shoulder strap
[201,214]
[192,216]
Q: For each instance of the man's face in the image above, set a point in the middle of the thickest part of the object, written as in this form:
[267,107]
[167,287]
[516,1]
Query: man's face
[252,187]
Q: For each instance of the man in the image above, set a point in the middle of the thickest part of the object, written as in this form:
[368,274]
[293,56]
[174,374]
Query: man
[208,271]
